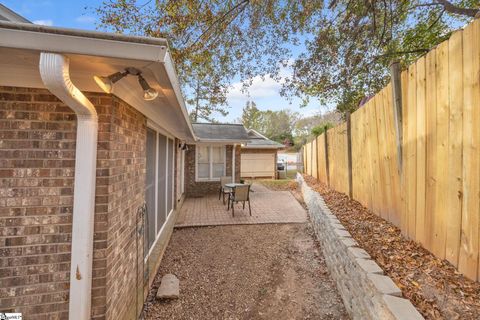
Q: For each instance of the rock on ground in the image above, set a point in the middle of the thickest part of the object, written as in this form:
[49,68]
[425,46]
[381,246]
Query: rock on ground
[169,287]
[247,272]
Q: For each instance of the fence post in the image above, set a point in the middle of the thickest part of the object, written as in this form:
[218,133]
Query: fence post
[397,108]
[327,166]
[349,156]
[311,158]
[316,148]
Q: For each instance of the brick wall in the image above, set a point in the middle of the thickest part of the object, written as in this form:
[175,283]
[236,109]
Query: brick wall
[37,160]
[126,184]
[200,188]
[37,152]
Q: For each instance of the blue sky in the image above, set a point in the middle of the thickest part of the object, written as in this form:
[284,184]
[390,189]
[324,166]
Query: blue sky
[80,14]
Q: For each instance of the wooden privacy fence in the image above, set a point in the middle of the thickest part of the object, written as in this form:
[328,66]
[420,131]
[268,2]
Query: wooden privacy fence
[432,191]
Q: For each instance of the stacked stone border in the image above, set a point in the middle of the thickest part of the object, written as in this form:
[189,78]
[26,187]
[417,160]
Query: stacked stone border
[366,292]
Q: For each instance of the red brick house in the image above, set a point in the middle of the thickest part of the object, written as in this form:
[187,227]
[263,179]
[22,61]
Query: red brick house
[216,153]
[97,154]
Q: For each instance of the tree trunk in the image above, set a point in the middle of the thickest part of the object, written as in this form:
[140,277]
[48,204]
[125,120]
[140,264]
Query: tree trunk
[450,7]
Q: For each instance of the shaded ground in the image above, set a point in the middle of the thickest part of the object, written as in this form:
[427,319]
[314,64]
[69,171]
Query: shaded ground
[247,272]
[436,289]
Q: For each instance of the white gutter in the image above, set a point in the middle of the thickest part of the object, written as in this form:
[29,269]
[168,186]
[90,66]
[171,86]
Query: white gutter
[54,70]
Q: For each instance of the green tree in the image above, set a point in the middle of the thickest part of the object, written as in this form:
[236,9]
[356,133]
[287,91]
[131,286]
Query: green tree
[348,50]
[213,41]
[318,130]
[251,116]
[348,57]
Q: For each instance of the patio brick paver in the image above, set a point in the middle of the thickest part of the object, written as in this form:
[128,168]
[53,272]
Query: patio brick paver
[267,207]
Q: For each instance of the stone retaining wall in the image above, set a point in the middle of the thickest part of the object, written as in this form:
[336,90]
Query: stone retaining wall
[366,292]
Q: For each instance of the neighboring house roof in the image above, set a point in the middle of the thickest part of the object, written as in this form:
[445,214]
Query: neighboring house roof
[220,132]
[259,141]
[99,53]
[8,15]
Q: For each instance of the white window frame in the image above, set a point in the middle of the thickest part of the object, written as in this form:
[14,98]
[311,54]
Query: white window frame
[210,162]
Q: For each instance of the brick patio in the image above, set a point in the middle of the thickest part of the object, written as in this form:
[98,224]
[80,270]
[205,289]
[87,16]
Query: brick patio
[267,207]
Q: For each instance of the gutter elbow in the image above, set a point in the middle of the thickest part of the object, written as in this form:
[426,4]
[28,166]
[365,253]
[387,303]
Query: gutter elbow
[55,73]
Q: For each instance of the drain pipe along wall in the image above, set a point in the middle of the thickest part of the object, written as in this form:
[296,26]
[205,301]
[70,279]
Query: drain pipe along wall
[54,71]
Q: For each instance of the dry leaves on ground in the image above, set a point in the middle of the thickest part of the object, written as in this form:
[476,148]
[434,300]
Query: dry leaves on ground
[433,285]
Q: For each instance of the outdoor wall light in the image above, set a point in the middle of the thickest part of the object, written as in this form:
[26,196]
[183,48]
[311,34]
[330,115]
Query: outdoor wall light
[106,83]
[183,146]
[148,92]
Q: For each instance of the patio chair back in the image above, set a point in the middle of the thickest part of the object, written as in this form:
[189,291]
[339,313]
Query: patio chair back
[242,193]
[225,180]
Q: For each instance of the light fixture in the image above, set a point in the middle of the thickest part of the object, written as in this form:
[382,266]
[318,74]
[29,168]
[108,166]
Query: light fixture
[148,92]
[183,146]
[106,83]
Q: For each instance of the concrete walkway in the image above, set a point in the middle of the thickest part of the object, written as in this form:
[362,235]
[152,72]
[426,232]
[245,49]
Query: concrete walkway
[267,207]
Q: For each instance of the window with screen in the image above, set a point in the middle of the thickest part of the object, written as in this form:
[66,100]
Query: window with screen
[210,162]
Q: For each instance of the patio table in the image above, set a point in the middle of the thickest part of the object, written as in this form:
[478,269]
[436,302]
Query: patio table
[233,185]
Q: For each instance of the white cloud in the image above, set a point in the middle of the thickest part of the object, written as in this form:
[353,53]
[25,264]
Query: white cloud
[85,19]
[259,88]
[46,22]
[266,87]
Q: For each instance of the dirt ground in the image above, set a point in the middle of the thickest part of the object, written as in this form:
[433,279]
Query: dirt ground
[247,272]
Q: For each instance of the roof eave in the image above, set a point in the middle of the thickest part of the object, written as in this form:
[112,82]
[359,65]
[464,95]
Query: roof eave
[71,41]
[226,141]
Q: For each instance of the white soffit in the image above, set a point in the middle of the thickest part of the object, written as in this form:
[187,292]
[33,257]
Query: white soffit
[19,67]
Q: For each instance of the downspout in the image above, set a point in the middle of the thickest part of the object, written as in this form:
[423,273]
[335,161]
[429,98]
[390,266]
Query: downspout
[54,70]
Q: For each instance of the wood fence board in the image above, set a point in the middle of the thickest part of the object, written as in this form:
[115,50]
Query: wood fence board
[383,183]
[469,241]
[403,185]
[354,120]
[431,149]
[411,150]
[420,235]
[378,139]
[372,160]
[323,163]
[392,150]
[440,222]
[454,204]
[389,142]
[314,159]
[433,195]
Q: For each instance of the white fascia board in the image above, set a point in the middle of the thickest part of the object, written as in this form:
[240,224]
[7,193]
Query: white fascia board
[258,134]
[172,76]
[224,141]
[60,43]
[262,147]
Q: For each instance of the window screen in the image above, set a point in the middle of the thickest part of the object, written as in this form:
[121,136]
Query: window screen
[218,162]
[203,162]
[171,151]
[150,189]
[162,180]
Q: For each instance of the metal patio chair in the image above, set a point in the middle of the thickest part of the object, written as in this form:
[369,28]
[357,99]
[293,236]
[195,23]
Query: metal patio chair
[240,194]
[223,189]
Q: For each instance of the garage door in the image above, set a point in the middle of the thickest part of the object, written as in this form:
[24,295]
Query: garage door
[257,165]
